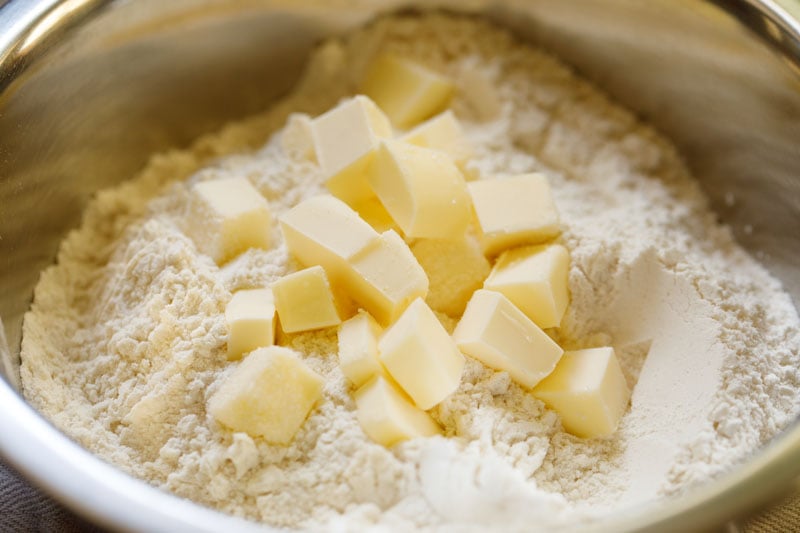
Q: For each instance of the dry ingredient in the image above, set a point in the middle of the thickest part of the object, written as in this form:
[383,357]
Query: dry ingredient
[125,340]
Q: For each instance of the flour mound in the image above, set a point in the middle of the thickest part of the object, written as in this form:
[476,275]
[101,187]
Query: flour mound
[125,340]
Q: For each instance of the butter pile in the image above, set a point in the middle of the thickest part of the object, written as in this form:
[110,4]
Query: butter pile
[391,193]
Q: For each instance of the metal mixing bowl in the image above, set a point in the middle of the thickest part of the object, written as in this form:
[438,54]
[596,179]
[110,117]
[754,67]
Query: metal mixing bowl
[90,88]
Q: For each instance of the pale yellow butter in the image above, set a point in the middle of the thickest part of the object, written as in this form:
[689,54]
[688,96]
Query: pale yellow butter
[406,91]
[304,301]
[422,189]
[325,231]
[384,277]
[420,356]
[358,348]
[455,267]
[250,316]
[499,335]
[442,132]
[514,211]
[535,279]
[388,417]
[374,214]
[588,390]
[297,139]
[345,139]
[268,395]
[228,216]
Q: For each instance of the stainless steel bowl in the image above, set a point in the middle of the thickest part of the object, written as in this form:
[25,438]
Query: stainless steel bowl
[90,88]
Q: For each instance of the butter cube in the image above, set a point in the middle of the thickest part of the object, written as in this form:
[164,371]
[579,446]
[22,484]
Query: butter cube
[455,267]
[442,132]
[374,214]
[388,417]
[385,277]
[421,356]
[499,335]
[251,321]
[325,231]
[358,348]
[535,279]
[422,190]
[297,138]
[304,301]
[406,91]
[588,390]
[514,211]
[345,139]
[227,216]
[268,395]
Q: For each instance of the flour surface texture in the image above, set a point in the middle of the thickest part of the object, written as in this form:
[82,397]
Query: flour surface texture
[126,338]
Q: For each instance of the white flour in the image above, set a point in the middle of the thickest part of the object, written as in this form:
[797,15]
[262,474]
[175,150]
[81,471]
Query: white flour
[126,337]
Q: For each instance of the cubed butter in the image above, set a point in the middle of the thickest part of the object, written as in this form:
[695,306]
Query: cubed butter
[388,417]
[421,356]
[422,189]
[514,211]
[406,91]
[588,390]
[345,139]
[305,301]
[535,279]
[250,316]
[325,231]
[385,277]
[442,132]
[227,216]
[297,139]
[374,214]
[499,335]
[268,395]
[455,267]
[358,348]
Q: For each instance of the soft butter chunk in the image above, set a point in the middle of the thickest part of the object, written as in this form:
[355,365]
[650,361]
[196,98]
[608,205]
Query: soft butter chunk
[384,277]
[305,301]
[499,335]
[345,139]
[422,189]
[297,139]
[535,279]
[374,214]
[421,356]
[455,267]
[406,91]
[514,211]
[442,132]
[324,231]
[588,390]
[388,417]
[358,348]
[250,316]
[227,216]
[268,395]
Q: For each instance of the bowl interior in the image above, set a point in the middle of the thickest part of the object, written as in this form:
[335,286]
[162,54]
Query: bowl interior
[88,90]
